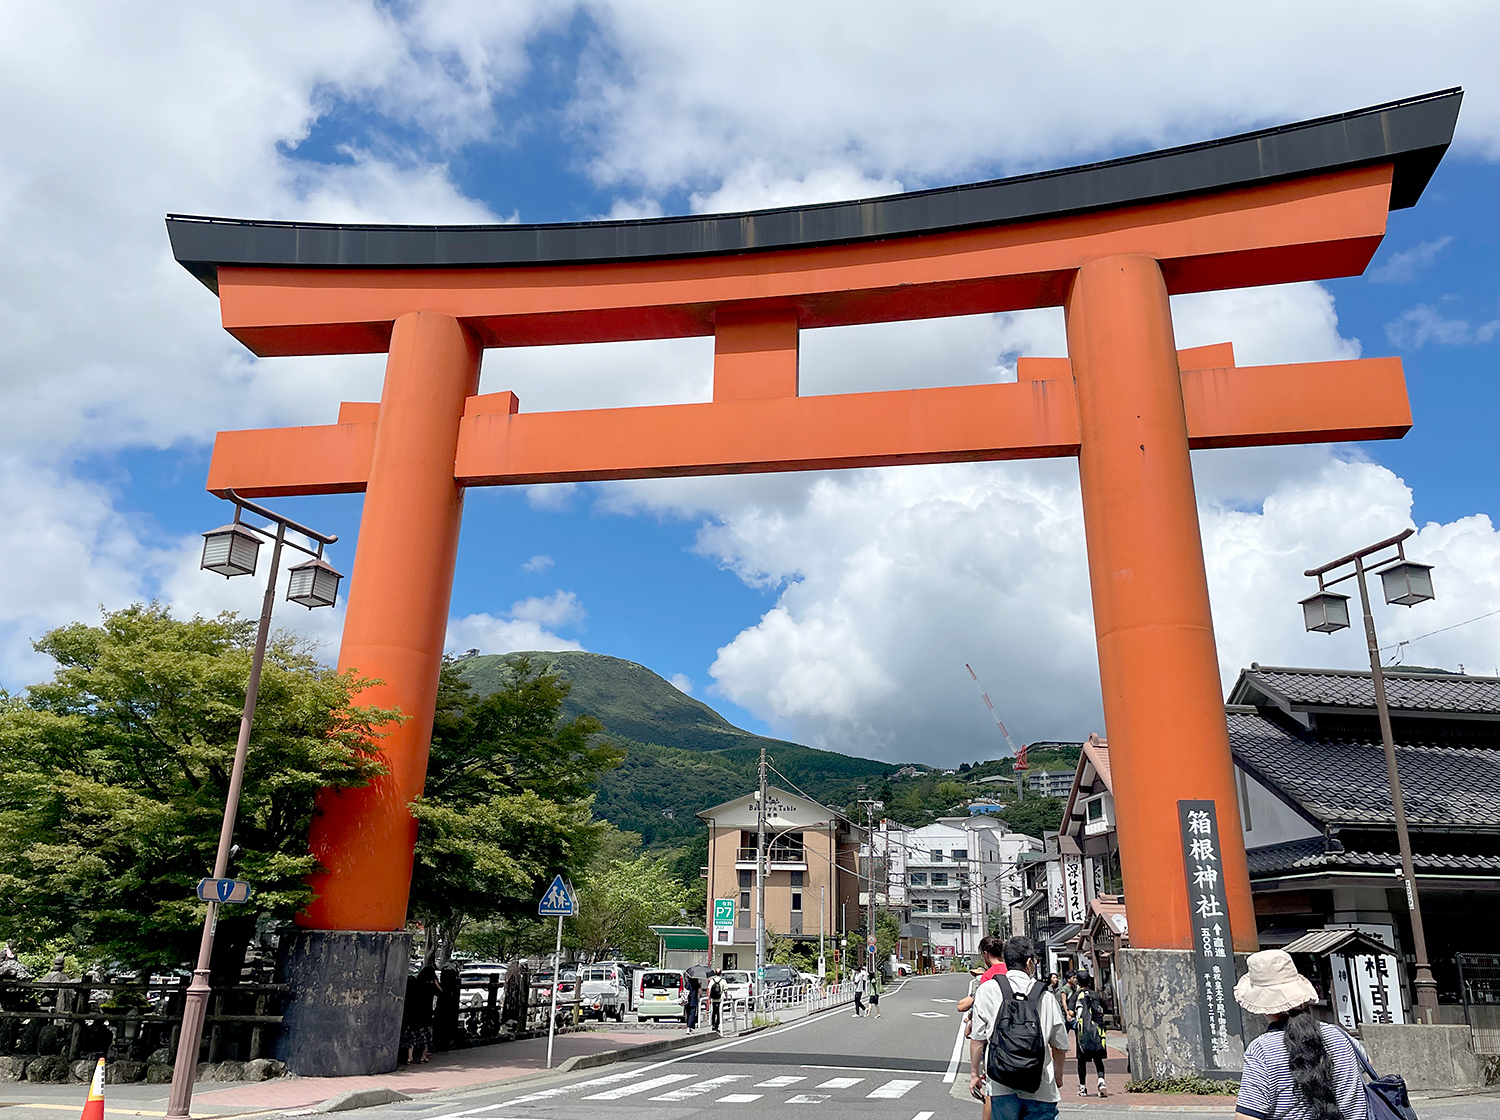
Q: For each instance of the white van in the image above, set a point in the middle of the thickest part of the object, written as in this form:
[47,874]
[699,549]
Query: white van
[661,993]
[738,985]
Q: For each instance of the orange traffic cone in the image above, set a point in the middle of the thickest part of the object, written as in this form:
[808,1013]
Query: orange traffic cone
[93,1108]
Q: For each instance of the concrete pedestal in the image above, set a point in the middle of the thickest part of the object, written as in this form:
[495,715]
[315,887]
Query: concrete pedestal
[1163,1026]
[343,1017]
[1428,1056]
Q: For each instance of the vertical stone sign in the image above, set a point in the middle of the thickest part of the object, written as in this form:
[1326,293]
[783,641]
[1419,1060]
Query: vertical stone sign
[1213,948]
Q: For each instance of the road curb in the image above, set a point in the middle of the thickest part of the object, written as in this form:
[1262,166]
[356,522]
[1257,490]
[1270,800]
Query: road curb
[642,1050]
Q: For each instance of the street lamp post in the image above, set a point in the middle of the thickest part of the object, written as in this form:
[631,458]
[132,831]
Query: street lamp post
[1405,583]
[231,551]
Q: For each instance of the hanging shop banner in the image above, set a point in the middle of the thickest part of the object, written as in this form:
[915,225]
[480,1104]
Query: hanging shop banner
[1073,889]
[1213,947]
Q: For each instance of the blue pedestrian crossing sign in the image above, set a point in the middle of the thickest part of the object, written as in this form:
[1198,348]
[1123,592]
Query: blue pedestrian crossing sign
[223,890]
[559,901]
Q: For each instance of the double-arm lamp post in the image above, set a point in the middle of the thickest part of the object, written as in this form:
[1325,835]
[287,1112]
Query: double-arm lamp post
[232,550]
[1406,583]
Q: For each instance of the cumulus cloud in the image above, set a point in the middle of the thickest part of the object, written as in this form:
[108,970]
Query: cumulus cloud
[529,624]
[537,564]
[681,682]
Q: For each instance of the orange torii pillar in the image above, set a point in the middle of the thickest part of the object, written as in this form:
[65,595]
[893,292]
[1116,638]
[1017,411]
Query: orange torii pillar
[1109,243]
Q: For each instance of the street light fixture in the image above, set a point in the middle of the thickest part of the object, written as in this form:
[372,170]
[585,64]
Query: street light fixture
[230,551]
[1405,583]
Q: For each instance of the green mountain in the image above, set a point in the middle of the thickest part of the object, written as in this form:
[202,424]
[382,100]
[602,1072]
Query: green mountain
[681,756]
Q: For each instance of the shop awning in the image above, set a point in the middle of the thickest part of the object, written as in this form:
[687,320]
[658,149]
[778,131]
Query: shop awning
[682,937]
[1068,933]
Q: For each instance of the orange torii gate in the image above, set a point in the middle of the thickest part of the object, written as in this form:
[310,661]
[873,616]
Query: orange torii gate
[1108,242]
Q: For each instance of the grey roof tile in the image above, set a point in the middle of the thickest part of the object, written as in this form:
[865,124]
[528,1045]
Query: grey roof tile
[1405,691]
[1311,855]
[1342,780]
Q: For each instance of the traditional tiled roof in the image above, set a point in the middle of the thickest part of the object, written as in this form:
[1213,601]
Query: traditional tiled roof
[1342,780]
[1406,691]
[1314,854]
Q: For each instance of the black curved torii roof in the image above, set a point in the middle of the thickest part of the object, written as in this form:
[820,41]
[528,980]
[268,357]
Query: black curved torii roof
[1412,134]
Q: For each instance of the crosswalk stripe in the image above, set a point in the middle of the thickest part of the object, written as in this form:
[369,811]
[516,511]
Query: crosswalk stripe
[922,1116]
[698,1088]
[629,1090]
[892,1090]
[807,1098]
[841,1083]
[739,1098]
[779,1082]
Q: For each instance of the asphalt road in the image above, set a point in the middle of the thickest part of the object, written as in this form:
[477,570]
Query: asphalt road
[902,1065]
[895,1067]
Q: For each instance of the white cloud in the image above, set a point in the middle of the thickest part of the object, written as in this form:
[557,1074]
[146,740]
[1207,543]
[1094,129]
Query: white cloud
[1407,265]
[1424,323]
[681,682]
[528,625]
[537,564]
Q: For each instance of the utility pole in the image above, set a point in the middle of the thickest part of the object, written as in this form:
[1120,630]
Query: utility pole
[870,807]
[761,856]
[822,965]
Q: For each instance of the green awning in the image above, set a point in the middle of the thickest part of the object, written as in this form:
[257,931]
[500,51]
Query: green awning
[682,937]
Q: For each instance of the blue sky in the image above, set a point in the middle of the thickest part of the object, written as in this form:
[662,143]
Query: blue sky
[837,610]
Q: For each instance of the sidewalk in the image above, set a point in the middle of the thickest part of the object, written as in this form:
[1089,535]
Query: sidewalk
[451,1071]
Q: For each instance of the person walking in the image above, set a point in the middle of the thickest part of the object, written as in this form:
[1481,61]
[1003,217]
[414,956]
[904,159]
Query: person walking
[1088,1031]
[874,1012]
[694,997]
[1019,1002]
[716,996]
[1300,1069]
[859,991]
[1070,997]
[416,1014]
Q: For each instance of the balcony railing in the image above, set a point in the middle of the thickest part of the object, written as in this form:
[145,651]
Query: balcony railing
[777,854]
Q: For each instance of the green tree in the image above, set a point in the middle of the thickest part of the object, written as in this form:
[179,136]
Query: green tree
[620,901]
[113,778]
[507,804]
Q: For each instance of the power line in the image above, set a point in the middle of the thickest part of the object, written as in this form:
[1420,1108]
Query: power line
[1440,630]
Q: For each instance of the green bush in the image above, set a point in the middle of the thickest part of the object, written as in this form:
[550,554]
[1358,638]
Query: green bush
[1203,1086]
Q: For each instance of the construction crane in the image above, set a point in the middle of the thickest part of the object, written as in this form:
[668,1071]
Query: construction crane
[1018,752]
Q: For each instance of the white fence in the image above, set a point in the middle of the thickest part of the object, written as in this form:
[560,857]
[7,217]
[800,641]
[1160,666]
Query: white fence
[779,1004]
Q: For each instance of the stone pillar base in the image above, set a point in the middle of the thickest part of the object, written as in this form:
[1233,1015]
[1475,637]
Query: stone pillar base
[343,1017]
[1428,1056]
[1164,1029]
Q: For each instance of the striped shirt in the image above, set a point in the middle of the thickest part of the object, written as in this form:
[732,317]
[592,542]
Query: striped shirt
[1266,1089]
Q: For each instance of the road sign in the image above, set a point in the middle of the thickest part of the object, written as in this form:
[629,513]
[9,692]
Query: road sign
[223,890]
[723,911]
[559,901]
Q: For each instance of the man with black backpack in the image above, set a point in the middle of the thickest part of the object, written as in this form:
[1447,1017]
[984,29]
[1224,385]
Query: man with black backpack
[1018,1040]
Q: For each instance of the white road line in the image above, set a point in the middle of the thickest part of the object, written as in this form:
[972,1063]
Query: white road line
[930,1014]
[958,1052]
[922,1116]
[807,1098]
[892,1091]
[698,1088]
[545,1094]
[779,1082]
[841,1083]
[739,1098]
[631,1090]
[877,1069]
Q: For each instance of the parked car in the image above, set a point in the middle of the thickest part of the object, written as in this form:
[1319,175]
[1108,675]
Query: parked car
[903,968]
[661,993]
[602,992]
[780,976]
[738,985]
[474,982]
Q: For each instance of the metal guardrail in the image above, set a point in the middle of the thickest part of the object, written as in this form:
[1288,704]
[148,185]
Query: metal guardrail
[138,1017]
[794,1001]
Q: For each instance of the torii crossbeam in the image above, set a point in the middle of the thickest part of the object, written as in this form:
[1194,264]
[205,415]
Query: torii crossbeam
[1108,242]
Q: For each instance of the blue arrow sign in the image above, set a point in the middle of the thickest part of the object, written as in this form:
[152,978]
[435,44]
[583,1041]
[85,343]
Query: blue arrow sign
[223,890]
[559,901]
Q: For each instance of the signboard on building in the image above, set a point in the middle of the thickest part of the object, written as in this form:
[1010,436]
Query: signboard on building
[1213,947]
[723,911]
[1056,903]
[1075,894]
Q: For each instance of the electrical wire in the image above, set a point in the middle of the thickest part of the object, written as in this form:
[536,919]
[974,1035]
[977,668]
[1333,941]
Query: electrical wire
[1440,630]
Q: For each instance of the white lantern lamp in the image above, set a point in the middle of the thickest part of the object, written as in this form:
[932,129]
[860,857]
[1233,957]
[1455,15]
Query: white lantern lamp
[313,584]
[231,550]
[1407,583]
[1326,612]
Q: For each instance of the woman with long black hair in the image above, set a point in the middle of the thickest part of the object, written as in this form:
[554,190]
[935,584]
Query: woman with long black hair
[1300,1069]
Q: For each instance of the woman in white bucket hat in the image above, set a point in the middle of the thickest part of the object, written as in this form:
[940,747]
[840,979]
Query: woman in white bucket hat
[1300,1069]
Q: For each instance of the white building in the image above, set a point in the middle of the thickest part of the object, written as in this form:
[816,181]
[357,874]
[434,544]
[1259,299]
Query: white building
[952,876]
[1050,783]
